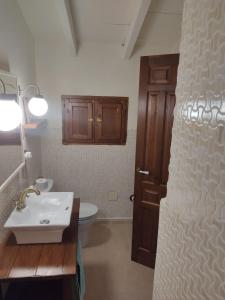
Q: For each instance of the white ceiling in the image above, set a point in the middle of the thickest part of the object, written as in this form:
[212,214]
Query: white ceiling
[42,18]
[163,16]
[104,21]
[167,6]
[101,21]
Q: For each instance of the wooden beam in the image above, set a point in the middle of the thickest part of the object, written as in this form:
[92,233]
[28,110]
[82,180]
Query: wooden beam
[135,28]
[68,23]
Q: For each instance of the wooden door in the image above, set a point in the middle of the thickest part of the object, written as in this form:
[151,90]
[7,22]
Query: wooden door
[158,77]
[78,120]
[110,120]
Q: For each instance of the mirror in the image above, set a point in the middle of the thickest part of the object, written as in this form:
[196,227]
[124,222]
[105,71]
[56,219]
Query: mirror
[10,142]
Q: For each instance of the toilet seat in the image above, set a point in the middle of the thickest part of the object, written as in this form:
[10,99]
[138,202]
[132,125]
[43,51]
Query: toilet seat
[87,211]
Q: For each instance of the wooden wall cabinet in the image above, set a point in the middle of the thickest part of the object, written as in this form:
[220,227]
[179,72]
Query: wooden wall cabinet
[94,120]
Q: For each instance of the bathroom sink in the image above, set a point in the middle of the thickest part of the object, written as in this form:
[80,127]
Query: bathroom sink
[43,220]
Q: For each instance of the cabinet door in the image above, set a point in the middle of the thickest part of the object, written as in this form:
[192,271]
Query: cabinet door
[110,121]
[78,121]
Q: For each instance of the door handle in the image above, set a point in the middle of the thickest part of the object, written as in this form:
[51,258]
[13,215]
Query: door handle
[143,171]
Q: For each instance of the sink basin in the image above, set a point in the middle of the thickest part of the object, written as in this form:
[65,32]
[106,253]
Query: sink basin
[43,220]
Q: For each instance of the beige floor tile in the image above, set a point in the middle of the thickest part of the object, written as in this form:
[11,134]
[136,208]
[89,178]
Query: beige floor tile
[110,273]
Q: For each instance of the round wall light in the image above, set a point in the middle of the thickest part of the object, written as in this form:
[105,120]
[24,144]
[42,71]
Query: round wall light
[10,114]
[38,106]
[10,111]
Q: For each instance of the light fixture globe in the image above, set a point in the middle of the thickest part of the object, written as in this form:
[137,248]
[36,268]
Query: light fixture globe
[10,115]
[38,106]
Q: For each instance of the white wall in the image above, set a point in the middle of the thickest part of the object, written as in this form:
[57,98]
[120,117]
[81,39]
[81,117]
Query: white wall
[191,244]
[17,57]
[92,171]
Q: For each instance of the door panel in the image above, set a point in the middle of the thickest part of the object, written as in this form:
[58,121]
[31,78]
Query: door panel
[160,74]
[154,134]
[149,195]
[155,120]
[147,240]
[81,117]
[79,121]
[109,122]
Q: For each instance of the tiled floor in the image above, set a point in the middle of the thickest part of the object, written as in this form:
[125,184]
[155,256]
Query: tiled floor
[110,273]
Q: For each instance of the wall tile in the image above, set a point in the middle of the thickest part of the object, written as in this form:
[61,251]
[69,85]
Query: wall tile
[9,196]
[17,54]
[92,171]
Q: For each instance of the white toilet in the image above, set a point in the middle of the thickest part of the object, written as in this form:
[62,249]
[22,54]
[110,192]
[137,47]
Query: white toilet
[87,216]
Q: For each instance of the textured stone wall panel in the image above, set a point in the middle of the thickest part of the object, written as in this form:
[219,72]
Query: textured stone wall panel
[191,248]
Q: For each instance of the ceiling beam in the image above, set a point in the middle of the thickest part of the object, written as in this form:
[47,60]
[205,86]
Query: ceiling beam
[135,28]
[68,23]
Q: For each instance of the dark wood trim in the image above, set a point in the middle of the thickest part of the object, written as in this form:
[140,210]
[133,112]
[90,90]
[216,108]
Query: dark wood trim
[1,294]
[163,59]
[88,98]
[10,138]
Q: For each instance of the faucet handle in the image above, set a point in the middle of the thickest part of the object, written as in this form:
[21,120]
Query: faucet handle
[33,189]
[36,189]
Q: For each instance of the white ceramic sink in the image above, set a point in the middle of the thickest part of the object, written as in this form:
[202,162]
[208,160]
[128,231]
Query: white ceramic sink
[43,220]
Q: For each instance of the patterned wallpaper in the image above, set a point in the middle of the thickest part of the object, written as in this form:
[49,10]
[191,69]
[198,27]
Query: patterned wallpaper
[191,247]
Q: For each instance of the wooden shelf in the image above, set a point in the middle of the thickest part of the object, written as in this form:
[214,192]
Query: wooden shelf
[35,125]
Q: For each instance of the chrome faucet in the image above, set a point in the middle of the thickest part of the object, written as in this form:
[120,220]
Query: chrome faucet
[20,204]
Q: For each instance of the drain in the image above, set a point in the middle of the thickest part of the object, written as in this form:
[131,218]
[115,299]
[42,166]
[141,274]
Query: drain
[45,221]
[67,208]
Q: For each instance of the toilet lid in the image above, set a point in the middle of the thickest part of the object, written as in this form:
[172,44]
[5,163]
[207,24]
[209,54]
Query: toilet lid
[87,210]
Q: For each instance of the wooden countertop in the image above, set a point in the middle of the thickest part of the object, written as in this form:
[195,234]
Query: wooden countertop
[41,260]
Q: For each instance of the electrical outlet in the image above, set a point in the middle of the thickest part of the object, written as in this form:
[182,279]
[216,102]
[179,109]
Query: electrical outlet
[112,196]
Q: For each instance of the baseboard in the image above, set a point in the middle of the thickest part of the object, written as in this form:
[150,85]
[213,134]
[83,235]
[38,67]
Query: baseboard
[114,219]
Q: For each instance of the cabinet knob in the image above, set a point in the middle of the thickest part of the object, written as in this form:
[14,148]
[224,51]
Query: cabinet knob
[90,120]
